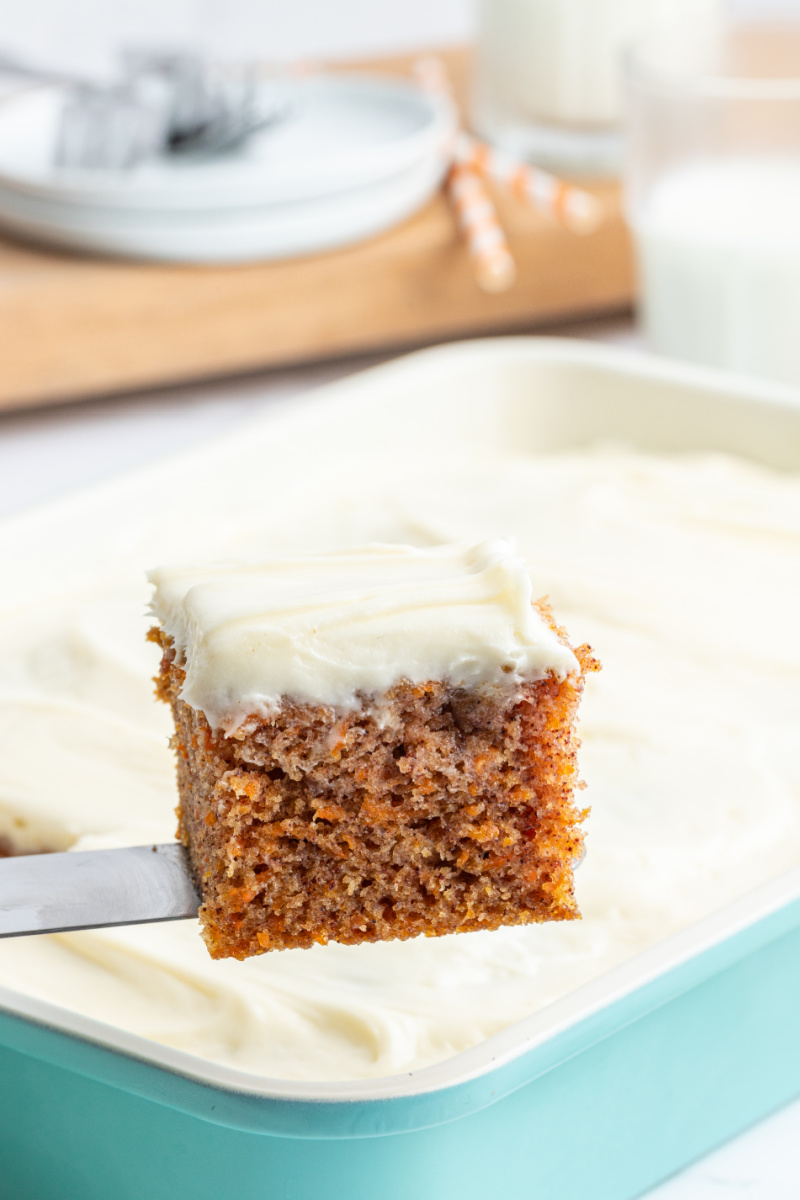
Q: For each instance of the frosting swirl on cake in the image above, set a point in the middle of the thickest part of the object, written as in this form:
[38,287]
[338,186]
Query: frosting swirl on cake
[329,629]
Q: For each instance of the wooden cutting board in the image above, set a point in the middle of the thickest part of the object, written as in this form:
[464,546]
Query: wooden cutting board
[72,327]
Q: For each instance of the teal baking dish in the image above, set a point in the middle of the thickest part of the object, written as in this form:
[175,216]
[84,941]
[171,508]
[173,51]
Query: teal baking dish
[596,1097]
[605,1106]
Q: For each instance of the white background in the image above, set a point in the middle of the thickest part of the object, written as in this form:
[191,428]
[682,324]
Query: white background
[43,454]
[83,33]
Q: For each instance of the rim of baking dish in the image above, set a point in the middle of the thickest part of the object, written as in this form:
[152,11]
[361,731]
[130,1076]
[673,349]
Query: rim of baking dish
[719,930]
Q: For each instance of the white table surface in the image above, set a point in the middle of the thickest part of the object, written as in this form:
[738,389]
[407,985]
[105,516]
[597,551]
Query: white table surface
[48,452]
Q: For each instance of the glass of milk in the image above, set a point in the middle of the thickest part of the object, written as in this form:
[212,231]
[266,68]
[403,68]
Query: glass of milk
[713,196]
[547,84]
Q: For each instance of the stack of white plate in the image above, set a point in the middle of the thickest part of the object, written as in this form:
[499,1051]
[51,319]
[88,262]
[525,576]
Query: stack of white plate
[356,155]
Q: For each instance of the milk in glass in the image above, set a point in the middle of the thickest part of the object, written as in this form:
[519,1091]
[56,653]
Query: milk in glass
[719,260]
[548,77]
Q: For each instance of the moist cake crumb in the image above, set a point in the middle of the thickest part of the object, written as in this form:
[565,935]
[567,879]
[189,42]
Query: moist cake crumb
[428,809]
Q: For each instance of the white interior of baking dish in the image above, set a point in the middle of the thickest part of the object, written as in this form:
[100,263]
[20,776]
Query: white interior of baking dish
[535,395]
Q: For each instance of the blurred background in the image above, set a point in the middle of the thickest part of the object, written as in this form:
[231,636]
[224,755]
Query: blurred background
[486,180]
[85,34]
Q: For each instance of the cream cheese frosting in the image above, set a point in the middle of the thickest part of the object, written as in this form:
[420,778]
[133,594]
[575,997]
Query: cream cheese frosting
[331,628]
[683,571]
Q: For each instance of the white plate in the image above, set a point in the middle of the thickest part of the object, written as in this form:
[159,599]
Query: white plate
[343,132]
[272,231]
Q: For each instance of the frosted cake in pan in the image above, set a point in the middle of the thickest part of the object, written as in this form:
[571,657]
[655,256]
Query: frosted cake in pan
[681,568]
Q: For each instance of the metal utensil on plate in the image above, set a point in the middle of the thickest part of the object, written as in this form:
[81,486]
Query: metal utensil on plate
[164,104]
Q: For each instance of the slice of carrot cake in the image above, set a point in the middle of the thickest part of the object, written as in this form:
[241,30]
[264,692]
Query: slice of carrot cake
[371,744]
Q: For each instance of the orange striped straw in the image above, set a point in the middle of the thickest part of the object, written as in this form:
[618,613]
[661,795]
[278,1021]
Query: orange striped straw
[576,209]
[432,74]
[476,216]
[495,269]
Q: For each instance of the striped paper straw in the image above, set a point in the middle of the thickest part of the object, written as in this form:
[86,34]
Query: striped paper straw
[571,206]
[432,74]
[495,269]
[574,208]
[476,216]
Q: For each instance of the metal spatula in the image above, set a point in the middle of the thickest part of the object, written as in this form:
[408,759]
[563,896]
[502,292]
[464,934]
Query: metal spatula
[92,889]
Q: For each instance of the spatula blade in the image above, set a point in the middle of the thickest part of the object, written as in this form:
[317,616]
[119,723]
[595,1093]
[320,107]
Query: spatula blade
[93,889]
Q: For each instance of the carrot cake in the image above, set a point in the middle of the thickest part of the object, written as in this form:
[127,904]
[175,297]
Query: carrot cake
[371,744]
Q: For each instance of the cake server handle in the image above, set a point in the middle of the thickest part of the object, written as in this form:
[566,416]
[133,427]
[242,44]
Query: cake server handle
[93,889]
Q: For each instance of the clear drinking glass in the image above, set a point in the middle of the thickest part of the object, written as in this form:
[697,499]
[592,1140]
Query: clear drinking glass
[713,195]
[547,83]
